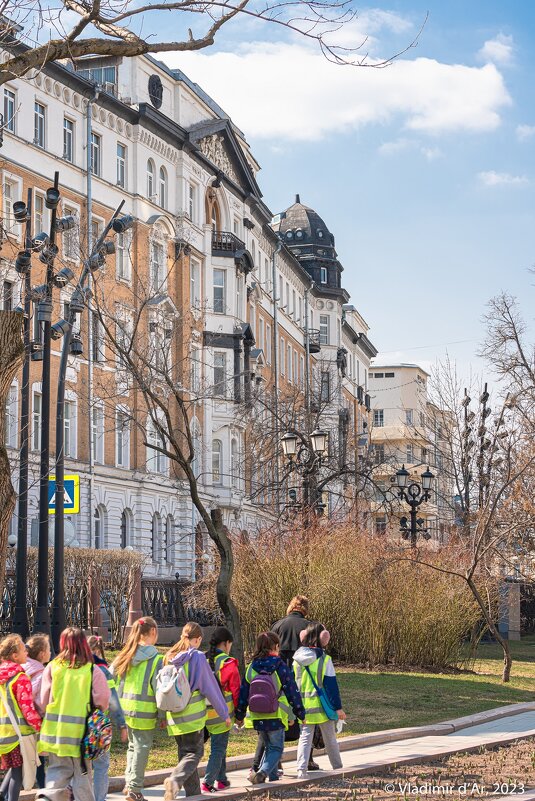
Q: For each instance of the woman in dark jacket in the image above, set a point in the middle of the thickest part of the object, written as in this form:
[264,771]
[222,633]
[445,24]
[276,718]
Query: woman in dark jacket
[289,628]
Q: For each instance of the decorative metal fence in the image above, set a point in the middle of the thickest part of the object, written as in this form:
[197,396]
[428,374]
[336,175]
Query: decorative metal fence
[162,600]
[76,603]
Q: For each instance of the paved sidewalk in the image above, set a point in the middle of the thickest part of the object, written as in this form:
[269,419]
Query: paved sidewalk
[361,760]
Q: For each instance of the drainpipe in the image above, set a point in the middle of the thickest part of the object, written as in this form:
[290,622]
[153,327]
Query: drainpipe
[276,370]
[307,355]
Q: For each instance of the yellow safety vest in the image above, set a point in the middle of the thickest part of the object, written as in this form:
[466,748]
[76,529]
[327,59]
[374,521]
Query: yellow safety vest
[214,723]
[314,712]
[137,695]
[8,737]
[192,718]
[66,714]
[283,710]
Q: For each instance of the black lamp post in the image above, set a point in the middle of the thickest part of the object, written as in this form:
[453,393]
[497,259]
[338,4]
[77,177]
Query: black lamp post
[304,456]
[414,494]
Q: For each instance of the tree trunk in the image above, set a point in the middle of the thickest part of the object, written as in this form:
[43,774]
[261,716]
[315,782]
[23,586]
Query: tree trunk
[11,354]
[224,581]
[507,659]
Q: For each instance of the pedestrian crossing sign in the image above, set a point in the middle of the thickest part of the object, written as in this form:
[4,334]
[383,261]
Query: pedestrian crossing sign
[71,490]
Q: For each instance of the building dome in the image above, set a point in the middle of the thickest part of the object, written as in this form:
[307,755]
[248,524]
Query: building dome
[301,225]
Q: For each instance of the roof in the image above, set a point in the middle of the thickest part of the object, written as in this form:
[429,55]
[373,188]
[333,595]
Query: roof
[301,225]
[398,365]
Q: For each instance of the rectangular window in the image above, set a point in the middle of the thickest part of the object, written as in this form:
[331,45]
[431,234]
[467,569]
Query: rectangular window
[410,454]
[192,201]
[289,363]
[302,372]
[11,417]
[122,255]
[68,139]
[69,442]
[9,199]
[220,375]
[390,375]
[36,421]
[97,433]
[7,296]
[323,275]
[157,265]
[325,389]
[70,239]
[39,214]
[282,354]
[378,375]
[9,110]
[239,297]
[409,416]
[261,333]
[378,418]
[220,305]
[96,231]
[378,453]
[217,458]
[324,329]
[422,419]
[96,151]
[121,165]
[37,327]
[293,303]
[39,125]
[380,524]
[195,283]
[122,428]
[280,291]
[295,368]
[268,343]
[195,370]
[97,339]
[425,455]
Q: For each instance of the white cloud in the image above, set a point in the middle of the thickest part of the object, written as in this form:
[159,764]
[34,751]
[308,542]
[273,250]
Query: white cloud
[402,145]
[498,50]
[290,91]
[524,132]
[492,178]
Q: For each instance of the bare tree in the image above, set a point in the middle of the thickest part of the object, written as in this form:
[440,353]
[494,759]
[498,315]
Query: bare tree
[38,34]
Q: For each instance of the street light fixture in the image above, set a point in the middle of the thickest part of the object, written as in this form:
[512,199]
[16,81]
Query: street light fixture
[414,495]
[306,460]
[319,440]
[289,445]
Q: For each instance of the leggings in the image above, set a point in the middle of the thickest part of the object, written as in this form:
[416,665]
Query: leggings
[12,784]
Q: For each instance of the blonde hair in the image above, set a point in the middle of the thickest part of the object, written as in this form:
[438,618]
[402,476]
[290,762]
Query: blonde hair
[37,644]
[299,603]
[9,646]
[123,660]
[190,632]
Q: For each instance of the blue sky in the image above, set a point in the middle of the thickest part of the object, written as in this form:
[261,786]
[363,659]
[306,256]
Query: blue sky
[424,170]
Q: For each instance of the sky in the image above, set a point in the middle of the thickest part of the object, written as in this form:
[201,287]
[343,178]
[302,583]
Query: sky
[423,170]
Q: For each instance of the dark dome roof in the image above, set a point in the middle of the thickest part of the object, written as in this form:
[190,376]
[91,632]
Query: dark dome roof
[304,226]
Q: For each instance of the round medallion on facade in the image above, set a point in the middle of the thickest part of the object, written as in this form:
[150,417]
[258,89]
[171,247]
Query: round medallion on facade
[155,91]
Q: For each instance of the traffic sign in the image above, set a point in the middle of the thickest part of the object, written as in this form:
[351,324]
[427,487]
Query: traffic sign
[71,490]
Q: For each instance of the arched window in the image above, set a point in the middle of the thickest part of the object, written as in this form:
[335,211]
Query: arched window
[217,461]
[156,529]
[163,187]
[126,528]
[99,526]
[150,179]
[168,540]
[234,463]
[216,217]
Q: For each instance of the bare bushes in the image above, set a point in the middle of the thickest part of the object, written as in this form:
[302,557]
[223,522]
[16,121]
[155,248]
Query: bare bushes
[380,608]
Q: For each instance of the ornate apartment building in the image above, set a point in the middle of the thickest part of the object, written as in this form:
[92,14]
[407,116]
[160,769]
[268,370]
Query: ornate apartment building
[239,309]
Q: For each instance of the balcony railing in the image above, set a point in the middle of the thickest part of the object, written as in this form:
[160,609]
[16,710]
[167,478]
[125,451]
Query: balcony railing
[225,243]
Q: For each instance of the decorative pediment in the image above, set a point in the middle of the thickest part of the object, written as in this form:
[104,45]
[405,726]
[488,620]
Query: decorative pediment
[213,147]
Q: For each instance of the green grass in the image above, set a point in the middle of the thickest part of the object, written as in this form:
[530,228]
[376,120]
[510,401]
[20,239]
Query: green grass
[391,699]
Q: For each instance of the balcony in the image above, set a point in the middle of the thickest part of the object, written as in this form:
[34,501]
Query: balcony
[314,344]
[225,243]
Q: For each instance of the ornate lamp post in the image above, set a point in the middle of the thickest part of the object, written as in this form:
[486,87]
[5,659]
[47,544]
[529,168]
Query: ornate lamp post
[304,456]
[414,495]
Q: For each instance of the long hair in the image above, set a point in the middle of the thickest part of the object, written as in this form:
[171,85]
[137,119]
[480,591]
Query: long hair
[265,643]
[73,648]
[219,636]
[299,603]
[37,644]
[96,644]
[9,646]
[190,632]
[123,660]
[310,638]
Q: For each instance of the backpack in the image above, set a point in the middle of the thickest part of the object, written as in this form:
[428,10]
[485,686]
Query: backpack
[98,734]
[263,695]
[173,692]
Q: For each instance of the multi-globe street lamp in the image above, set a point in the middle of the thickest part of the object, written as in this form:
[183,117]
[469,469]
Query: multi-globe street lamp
[414,495]
[304,456]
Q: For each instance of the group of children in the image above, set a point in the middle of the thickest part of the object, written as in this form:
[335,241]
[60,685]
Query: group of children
[54,702]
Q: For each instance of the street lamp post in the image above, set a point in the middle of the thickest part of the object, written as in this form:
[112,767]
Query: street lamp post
[414,495]
[304,456]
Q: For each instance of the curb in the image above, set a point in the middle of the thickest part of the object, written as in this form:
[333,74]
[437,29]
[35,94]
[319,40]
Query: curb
[155,777]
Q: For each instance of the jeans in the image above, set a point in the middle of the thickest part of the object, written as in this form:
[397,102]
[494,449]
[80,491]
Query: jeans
[12,784]
[216,768]
[101,779]
[190,752]
[64,774]
[41,773]
[139,745]
[274,746]
[304,746]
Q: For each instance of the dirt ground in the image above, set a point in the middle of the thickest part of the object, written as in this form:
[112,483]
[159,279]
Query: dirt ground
[495,772]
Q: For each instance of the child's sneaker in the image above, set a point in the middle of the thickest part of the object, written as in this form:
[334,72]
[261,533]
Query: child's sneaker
[302,774]
[223,785]
[208,788]
[172,789]
[258,778]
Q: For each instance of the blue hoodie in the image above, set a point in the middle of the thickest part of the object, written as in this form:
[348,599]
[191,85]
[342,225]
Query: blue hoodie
[272,664]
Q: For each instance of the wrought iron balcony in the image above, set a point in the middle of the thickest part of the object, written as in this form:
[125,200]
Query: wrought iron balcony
[225,243]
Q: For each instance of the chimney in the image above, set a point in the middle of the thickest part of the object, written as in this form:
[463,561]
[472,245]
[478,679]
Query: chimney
[297,199]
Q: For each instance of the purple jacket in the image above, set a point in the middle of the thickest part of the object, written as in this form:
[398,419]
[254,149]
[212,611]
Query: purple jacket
[201,678]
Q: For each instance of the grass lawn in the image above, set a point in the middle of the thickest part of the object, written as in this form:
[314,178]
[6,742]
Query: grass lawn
[386,700]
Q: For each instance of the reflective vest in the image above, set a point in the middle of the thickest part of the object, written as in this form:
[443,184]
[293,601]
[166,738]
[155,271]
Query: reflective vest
[313,709]
[66,714]
[214,723]
[192,718]
[137,695]
[8,737]
[283,710]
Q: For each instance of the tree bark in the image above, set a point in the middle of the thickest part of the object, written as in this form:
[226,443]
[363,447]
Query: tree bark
[220,536]
[507,659]
[11,355]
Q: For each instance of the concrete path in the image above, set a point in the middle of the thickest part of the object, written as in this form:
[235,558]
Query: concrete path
[495,727]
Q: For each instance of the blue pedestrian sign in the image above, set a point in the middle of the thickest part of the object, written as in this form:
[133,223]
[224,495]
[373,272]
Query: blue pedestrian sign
[71,494]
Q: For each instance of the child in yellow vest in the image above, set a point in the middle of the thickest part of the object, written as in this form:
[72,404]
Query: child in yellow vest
[314,671]
[135,670]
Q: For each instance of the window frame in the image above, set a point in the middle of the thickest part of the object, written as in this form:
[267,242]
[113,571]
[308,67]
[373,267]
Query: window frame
[324,329]
[378,418]
[219,303]
[96,154]
[39,124]
[10,98]
[217,466]
[68,133]
[120,165]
